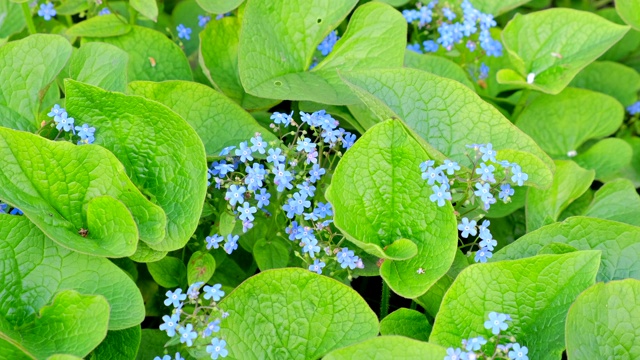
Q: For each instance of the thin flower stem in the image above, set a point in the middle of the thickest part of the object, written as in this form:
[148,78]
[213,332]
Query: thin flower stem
[28,17]
[384,301]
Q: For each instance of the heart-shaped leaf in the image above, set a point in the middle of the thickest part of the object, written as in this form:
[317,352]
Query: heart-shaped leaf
[201,267]
[101,65]
[389,347]
[616,200]
[101,26]
[629,11]
[437,65]
[607,157]
[611,78]
[406,322]
[219,6]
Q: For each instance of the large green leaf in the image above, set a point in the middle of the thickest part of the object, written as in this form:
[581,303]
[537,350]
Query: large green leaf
[544,206]
[389,348]
[35,268]
[406,322]
[618,242]
[607,157]
[497,7]
[27,69]
[218,121]
[64,188]
[219,62]
[555,45]
[628,45]
[163,155]
[278,41]
[437,65]
[611,78]
[119,344]
[629,11]
[536,292]
[603,322]
[148,8]
[73,324]
[381,202]
[99,64]
[616,200]
[219,6]
[11,18]
[632,170]
[169,272]
[449,116]
[101,27]
[272,314]
[152,56]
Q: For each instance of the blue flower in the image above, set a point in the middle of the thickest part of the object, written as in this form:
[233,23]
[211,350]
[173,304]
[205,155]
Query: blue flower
[174,298]
[246,212]
[305,144]
[348,139]
[231,244]
[235,195]
[482,255]
[227,150]
[484,230]
[263,198]
[64,122]
[244,151]
[222,16]
[323,210]
[471,45]
[16,211]
[453,354]
[326,46]
[317,266]
[430,46]
[3,208]
[424,16]
[222,168]
[519,352]
[213,292]
[448,13]
[178,357]
[86,133]
[293,229]
[104,11]
[311,247]
[47,12]
[468,28]
[484,71]
[488,154]
[217,348]
[483,192]
[432,175]
[496,322]
[166,357]
[282,178]
[415,47]
[330,137]
[213,326]
[486,172]
[203,20]
[505,192]
[467,227]
[440,194]
[449,166]
[518,176]
[281,118]
[257,144]
[346,258]
[275,157]
[316,172]
[56,110]
[187,334]
[194,290]
[631,109]
[486,21]
[410,15]
[214,241]
[474,344]
[184,32]
[426,164]
[307,189]
[170,324]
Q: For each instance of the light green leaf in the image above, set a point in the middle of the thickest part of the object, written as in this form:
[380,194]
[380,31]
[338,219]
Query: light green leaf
[379,198]
[219,6]
[163,155]
[556,248]
[449,116]
[389,348]
[218,121]
[147,8]
[607,157]
[603,322]
[219,62]
[36,268]
[271,254]
[103,26]
[278,42]
[616,200]
[544,206]
[11,18]
[497,7]
[628,45]
[555,44]
[119,344]
[272,314]
[152,56]
[84,316]
[406,322]
[28,67]
[100,65]
[395,3]
[64,188]
[169,272]
[437,65]
[611,78]
[145,254]
[618,242]
[562,123]
[536,292]
[200,267]
[72,7]
[632,171]
[629,11]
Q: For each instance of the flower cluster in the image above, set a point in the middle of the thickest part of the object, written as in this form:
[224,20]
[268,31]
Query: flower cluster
[14,211]
[65,123]
[278,181]
[195,317]
[450,32]
[472,348]
[326,46]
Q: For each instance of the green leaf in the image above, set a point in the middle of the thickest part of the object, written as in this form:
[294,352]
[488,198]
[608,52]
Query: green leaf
[449,116]
[72,7]
[152,56]
[556,248]
[272,314]
[628,45]
[64,188]
[120,344]
[100,65]
[629,11]
[201,267]
[544,206]
[389,348]
[611,78]
[632,171]
[271,254]
[379,197]
[11,18]
[218,121]
[28,67]
[603,322]
[145,254]
[163,155]
[219,62]
[151,344]
[103,26]
[618,201]
[278,42]
[497,7]
[555,45]
[562,123]
[84,316]
[437,65]
[536,292]
[36,268]
[607,157]
[186,13]
[406,322]
[169,272]
[147,8]
[219,6]
[618,242]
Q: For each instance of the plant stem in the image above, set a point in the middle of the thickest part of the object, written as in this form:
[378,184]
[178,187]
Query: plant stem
[521,104]
[384,301]
[28,17]
[133,14]
[414,305]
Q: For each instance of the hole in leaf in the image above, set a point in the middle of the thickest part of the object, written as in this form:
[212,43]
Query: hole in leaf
[319,21]
[278,83]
